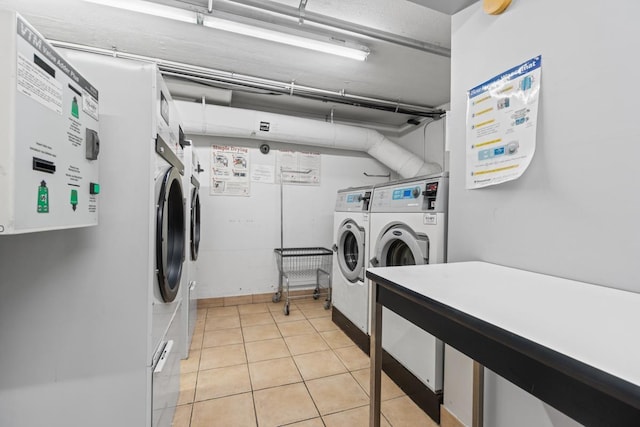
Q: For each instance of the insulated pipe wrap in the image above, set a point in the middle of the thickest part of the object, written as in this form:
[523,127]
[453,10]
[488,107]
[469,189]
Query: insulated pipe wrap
[231,122]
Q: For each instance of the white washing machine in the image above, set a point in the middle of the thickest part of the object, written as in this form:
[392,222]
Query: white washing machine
[143,181]
[408,225]
[192,184]
[350,290]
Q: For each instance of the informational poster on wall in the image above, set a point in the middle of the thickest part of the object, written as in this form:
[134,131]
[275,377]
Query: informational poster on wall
[263,173]
[501,125]
[229,171]
[298,167]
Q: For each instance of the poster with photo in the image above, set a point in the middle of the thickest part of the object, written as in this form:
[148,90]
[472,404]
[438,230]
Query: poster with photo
[229,171]
[501,124]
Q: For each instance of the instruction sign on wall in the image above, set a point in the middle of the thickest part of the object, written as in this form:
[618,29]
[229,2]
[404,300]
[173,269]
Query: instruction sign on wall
[501,125]
[229,171]
[298,167]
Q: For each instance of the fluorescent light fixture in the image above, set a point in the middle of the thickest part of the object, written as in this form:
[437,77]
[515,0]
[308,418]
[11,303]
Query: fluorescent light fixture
[284,38]
[182,15]
[150,8]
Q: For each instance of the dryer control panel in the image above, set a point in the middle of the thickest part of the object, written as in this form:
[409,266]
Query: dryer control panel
[423,195]
[353,200]
[49,141]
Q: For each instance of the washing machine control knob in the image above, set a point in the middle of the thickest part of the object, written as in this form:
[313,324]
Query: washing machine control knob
[416,192]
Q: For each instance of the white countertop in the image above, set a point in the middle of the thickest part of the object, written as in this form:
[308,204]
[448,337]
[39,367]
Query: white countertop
[596,325]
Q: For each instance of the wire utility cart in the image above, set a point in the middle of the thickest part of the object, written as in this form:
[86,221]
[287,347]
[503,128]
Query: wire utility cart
[298,264]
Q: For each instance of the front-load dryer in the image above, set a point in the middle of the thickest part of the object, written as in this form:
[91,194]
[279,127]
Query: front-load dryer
[408,224]
[144,212]
[350,293]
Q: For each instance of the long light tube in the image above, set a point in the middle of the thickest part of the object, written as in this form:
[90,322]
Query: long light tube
[182,15]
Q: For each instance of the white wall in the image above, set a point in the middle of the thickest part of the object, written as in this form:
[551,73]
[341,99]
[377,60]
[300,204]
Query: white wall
[426,141]
[239,234]
[574,212]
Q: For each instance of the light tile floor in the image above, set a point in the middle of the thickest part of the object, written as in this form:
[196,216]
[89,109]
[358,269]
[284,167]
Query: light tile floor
[250,365]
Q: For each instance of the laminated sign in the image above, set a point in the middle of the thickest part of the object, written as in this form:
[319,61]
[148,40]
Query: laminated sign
[501,125]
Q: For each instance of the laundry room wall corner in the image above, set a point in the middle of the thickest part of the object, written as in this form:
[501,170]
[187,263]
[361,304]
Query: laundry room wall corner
[240,233]
[573,212]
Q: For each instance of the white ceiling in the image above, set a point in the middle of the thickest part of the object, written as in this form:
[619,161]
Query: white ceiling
[391,72]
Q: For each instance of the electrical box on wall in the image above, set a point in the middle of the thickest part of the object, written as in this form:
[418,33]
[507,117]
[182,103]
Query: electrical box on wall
[49,140]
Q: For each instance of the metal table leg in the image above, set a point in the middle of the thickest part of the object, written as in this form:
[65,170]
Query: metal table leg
[375,382]
[478,395]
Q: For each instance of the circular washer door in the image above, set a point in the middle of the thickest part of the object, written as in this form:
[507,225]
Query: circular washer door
[170,234]
[400,245]
[195,223]
[351,251]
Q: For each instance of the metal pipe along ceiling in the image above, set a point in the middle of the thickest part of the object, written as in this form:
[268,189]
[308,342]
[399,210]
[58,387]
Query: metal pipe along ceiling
[229,80]
[214,120]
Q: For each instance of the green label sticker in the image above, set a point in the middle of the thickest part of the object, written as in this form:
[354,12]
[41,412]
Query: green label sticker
[43,198]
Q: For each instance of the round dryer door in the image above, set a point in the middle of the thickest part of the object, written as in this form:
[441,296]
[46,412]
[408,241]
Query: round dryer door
[400,245]
[351,251]
[170,234]
[195,223]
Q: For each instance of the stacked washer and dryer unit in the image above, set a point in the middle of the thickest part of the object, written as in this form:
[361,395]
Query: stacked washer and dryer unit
[142,187]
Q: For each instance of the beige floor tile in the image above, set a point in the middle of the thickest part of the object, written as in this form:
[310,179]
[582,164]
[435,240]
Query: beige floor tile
[283,405]
[319,364]
[323,324]
[389,389]
[222,311]
[199,326]
[222,337]
[260,332]
[276,306]
[262,298]
[272,373]
[293,316]
[225,412]
[314,422]
[221,382]
[219,357]
[192,363]
[309,301]
[222,322]
[299,327]
[308,343]
[204,303]
[239,300]
[253,308]
[402,412]
[266,350]
[352,357]
[187,388]
[196,341]
[336,339]
[182,416]
[336,393]
[253,319]
[358,417]
[316,312]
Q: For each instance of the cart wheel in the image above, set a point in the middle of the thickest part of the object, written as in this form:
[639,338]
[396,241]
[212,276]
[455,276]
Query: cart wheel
[286,309]
[327,305]
[276,297]
[316,294]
